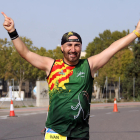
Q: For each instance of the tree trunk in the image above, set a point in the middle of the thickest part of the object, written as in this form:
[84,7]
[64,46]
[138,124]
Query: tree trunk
[98,92]
[110,95]
[8,84]
[20,84]
[101,93]
[116,91]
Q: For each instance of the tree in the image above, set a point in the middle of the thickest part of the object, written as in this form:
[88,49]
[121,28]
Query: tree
[13,66]
[133,71]
[116,67]
[17,67]
[5,53]
[103,41]
[57,53]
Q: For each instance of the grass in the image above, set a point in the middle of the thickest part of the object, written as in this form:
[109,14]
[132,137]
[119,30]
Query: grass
[31,106]
[17,106]
[3,108]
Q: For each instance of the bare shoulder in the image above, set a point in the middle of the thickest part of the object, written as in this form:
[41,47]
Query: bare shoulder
[99,60]
[41,62]
[94,63]
[48,62]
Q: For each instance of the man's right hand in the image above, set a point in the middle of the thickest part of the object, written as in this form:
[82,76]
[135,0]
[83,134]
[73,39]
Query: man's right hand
[8,23]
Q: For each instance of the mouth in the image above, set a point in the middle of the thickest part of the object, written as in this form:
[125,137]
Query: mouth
[74,54]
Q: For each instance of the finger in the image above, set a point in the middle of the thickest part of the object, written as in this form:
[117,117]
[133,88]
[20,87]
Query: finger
[7,19]
[4,14]
[6,23]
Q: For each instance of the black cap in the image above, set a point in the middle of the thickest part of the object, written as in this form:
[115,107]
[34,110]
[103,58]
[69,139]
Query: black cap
[67,35]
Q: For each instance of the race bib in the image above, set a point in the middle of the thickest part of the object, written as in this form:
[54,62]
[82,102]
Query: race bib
[52,135]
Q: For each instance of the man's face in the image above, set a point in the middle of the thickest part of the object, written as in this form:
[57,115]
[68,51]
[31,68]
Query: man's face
[71,51]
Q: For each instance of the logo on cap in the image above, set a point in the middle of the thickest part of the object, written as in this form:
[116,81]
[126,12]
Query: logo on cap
[70,33]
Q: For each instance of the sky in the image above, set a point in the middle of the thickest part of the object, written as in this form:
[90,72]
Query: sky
[45,21]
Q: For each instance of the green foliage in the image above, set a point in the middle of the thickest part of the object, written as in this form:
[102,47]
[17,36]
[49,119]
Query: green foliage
[117,65]
[133,71]
[5,53]
[13,66]
[19,67]
[57,54]
[138,98]
[110,101]
[103,41]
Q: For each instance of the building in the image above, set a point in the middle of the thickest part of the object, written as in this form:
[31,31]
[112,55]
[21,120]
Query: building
[26,86]
[83,54]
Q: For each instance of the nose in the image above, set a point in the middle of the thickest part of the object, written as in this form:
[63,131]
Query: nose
[72,48]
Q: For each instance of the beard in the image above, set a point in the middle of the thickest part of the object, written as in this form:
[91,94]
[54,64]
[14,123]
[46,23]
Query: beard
[71,56]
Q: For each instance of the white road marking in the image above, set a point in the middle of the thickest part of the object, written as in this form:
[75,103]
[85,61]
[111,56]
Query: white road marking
[32,113]
[25,114]
[92,116]
[3,117]
[109,113]
[133,110]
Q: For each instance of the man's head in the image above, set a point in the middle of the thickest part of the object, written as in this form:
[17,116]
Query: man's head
[71,45]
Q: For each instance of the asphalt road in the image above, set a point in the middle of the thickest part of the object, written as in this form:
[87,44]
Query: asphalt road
[104,124]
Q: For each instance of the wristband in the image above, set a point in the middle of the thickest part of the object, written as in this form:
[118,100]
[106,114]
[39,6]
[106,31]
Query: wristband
[13,35]
[136,33]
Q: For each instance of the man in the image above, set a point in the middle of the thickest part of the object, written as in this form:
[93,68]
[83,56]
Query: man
[70,81]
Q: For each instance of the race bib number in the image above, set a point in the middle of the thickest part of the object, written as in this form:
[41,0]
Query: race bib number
[52,135]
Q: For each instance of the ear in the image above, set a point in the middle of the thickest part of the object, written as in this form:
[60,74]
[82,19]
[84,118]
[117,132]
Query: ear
[62,48]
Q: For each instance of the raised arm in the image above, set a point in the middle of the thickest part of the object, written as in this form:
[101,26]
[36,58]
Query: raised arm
[99,60]
[41,62]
